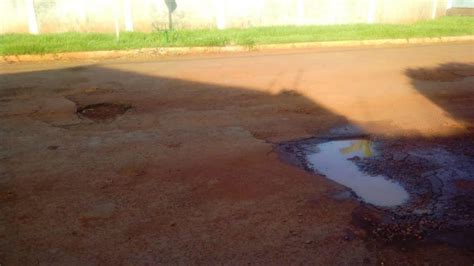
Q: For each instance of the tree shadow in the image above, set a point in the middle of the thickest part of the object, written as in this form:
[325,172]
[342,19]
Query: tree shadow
[449,86]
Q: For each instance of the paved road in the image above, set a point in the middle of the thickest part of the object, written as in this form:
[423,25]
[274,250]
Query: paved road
[189,174]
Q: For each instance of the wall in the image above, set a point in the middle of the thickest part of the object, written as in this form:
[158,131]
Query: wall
[148,15]
[463,3]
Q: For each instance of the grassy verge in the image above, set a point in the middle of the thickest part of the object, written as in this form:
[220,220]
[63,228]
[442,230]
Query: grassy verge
[15,44]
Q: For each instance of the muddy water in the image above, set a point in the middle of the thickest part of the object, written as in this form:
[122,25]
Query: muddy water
[334,160]
[437,173]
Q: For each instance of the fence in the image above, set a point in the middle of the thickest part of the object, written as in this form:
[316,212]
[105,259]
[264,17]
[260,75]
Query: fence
[45,16]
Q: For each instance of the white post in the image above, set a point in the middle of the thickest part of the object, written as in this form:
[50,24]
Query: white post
[334,11]
[82,14]
[300,12]
[260,8]
[372,11]
[220,14]
[435,8]
[450,4]
[288,19]
[117,22]
[127,9]
[82,10]
[32,22]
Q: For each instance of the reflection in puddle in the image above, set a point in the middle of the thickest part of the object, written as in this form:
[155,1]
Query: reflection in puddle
[332,161]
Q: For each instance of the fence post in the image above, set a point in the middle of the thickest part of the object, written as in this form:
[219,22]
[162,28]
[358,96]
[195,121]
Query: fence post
[450,4]
[117,22]
[220,14]
[372,11]
[300,12]
[333,10]
[82,10]
[288,19]
[82,15]
[127,9]
[260,8]
[435,8]
[32,22]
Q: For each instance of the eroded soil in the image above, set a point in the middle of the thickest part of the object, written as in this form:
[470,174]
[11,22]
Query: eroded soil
[192,173]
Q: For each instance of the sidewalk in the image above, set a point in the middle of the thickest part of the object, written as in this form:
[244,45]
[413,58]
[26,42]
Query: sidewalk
[98,55]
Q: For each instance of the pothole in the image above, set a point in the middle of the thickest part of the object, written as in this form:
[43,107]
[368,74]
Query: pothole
[411,189]
[334,159]
[103,111]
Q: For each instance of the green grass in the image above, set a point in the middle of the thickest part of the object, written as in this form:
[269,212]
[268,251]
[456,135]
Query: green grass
[16,44]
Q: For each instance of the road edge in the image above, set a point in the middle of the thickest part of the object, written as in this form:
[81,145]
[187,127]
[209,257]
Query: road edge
[170,51]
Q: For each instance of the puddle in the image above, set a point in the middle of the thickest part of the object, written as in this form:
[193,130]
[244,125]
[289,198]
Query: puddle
[334,159]
[103,111]
[435,203]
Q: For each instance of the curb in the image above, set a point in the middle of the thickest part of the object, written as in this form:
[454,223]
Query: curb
[163,51]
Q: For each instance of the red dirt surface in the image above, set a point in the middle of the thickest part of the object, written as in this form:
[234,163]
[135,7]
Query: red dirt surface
[189,175]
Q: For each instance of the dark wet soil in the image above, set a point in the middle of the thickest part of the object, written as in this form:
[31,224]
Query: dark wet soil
[439,176]
[435,172]
[103,111]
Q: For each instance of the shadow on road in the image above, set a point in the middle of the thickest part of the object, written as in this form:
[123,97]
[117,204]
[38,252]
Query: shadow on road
[180,170]
[449,86]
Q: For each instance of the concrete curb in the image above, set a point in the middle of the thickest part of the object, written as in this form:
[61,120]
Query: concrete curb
[96,55]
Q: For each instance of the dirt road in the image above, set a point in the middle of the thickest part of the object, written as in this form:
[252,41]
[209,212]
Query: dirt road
[175,161]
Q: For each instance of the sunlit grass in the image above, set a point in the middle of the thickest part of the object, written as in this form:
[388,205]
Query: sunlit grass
[15,44]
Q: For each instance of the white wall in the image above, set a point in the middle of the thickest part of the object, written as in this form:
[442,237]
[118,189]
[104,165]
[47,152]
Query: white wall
[463,3]
[147,15]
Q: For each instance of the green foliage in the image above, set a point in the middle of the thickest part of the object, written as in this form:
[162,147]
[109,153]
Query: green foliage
[15,44]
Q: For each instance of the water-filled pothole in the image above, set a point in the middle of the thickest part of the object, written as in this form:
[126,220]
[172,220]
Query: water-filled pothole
[103,111]
[436,173]
[335,160]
